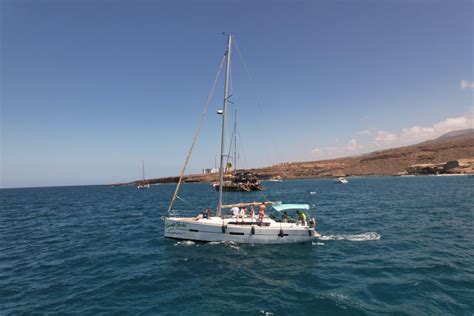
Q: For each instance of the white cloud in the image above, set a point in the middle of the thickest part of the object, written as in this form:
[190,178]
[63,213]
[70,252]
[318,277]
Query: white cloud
[467,84]
[451,124]
[416,134]
[381,139]
[352,147]
[384,137]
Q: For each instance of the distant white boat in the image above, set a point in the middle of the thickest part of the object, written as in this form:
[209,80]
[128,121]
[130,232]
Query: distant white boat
[277,179]
[143,184]
[341,180]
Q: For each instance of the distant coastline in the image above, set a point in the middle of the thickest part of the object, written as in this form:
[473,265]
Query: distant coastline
[446,155]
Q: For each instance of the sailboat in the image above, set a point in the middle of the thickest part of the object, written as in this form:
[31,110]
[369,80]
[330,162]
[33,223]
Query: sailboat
[143,184]
[239,181]
[278,228]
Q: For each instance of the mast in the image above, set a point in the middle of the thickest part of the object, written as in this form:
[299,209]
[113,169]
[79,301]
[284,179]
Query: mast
[224,118]
[143,170]
[235,142]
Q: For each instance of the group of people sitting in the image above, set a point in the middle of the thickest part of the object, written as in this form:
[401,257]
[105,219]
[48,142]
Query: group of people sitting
[301,218]
[242,212]
[239,213]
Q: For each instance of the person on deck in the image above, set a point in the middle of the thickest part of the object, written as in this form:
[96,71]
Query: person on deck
[252,213]
[206,213]
[261,212]
[284,217]
[235,211]
[242,212]
[301,217]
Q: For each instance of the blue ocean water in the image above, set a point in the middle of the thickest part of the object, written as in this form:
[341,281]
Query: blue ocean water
[390,246]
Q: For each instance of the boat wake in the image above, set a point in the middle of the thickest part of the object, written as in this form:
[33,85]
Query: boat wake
[230,244]
[352,237]
[185,243]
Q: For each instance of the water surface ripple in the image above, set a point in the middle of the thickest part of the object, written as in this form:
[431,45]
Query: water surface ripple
[389,246]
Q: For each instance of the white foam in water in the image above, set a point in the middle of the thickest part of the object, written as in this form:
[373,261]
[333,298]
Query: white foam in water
[231,244]
[354,237]
[185,243]
[317,243]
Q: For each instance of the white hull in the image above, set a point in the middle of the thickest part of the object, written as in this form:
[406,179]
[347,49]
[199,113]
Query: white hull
[216,229]
[341,180]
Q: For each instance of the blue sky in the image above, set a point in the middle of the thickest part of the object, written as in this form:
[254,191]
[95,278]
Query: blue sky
[90,88]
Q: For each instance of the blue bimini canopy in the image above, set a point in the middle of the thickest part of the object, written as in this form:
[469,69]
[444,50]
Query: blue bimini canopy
[286,207]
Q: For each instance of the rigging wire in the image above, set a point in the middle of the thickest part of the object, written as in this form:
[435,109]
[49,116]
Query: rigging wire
[196,134]
[186,202]
[242,148]
[229,133]
[239,138]
[258,99]
[268,157]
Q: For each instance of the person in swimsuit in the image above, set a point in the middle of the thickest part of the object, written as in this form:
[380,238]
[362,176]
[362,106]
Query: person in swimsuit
[261,212]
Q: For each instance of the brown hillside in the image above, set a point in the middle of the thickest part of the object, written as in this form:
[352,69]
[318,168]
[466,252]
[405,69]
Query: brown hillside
[384,162]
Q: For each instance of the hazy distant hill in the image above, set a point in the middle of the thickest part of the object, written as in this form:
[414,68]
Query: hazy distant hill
[451,146]
[469,132]
[455,145]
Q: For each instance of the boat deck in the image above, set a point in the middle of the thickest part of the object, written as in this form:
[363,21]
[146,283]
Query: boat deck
[232,221]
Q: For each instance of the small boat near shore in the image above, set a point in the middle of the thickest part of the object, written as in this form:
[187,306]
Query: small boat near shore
[239,181]
[242,182]
[276,179]
[143,184]
[341,180]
